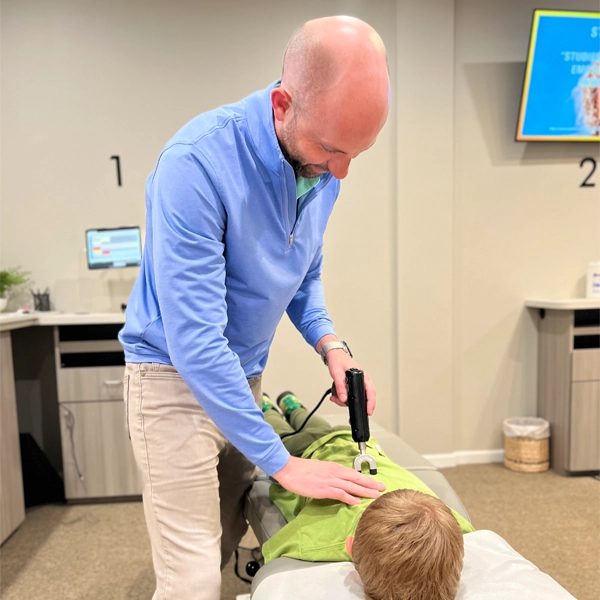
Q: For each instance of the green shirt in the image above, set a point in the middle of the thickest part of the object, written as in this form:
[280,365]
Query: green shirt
[317,529]
[303,186]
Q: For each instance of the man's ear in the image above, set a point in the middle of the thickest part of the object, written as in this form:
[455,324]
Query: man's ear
[349,542]
[281,100]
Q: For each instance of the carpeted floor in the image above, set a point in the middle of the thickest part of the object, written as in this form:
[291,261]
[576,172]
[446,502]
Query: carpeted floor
[101,552]
[88,552]
[552,521]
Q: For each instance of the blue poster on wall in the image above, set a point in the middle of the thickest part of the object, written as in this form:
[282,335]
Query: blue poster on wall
[561,91]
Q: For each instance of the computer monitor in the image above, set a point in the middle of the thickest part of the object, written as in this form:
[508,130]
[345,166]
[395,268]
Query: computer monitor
[113,248]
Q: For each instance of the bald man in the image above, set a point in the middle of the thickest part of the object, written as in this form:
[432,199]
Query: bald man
[236,211]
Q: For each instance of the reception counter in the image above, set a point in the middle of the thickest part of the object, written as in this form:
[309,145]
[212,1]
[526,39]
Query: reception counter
[569,381]
[62,381]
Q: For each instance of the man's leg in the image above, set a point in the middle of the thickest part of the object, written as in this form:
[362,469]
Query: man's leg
[236,475]
[176,446]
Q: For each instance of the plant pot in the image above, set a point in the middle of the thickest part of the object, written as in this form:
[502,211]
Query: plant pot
[3,303]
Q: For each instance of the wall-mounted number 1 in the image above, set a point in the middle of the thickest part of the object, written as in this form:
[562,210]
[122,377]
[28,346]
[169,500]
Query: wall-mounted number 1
[118,169]
[586,182]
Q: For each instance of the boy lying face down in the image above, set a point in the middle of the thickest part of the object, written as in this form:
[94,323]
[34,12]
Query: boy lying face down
[406,545]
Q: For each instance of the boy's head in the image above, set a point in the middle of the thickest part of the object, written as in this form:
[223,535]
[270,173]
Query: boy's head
[408,546]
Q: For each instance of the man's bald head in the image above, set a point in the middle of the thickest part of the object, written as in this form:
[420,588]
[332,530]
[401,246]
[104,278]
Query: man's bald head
[333,51]
[334,95]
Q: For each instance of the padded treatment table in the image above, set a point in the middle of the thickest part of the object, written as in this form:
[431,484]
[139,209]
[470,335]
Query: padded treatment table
[492,569]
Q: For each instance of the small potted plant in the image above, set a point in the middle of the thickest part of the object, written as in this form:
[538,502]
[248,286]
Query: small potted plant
[9,279]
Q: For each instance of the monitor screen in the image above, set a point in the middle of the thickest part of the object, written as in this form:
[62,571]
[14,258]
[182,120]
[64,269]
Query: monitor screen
[109,248]
[561,89]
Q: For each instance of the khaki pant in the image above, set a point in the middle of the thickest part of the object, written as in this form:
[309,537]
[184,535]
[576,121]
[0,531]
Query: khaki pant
[194,482]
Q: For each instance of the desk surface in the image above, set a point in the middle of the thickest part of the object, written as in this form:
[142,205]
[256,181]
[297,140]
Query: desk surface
[61,318]
[10,321]
[563,304]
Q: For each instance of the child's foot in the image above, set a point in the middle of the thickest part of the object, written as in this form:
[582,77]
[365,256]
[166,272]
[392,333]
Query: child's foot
[287,402]
[268,404]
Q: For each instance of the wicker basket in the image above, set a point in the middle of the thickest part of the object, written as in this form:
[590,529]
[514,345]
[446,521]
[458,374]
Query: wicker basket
[526,454]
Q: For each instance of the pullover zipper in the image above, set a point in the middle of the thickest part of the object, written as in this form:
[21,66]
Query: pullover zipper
[313,192]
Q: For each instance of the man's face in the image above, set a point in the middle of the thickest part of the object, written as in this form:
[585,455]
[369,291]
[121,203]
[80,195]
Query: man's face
[315,143]
[303,165]
[328,132]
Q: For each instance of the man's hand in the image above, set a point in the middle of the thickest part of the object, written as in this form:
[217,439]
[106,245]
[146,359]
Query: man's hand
[324,479]
[338,362]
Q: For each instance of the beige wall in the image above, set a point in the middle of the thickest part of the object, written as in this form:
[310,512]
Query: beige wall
[483,222]
[82,81]
[522,226]
[446,221]
[424,282]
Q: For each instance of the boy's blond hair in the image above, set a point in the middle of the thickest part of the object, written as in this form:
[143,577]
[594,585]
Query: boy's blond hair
[408,546]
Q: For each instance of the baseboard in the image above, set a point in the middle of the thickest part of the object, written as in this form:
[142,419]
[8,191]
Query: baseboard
[465,457]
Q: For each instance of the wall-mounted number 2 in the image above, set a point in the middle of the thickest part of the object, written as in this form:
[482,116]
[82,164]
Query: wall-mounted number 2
[586,182]
[119,169]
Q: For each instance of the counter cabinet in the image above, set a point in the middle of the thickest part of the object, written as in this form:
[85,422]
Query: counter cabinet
[68,376]
[569,386]
[97,457]
[12,506]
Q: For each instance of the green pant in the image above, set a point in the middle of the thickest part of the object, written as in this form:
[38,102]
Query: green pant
[296,444]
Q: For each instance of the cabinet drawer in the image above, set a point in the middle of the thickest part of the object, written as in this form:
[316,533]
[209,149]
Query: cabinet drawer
[12,505]
[586,365]
[90,384]
[98,460]
[585,426]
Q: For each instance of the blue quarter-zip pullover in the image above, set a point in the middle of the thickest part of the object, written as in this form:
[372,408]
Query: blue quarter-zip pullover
[225,255]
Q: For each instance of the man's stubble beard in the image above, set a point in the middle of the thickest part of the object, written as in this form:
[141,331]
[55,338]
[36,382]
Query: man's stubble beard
[291,154]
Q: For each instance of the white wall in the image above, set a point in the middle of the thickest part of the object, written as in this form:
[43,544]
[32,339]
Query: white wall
[424,282]
[447,221]
[85,80]
[522,226]
[483,222]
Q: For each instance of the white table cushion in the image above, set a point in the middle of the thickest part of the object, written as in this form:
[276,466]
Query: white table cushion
[492,570]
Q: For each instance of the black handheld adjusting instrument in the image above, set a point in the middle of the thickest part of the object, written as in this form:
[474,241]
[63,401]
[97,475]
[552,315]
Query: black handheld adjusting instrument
[359,419]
